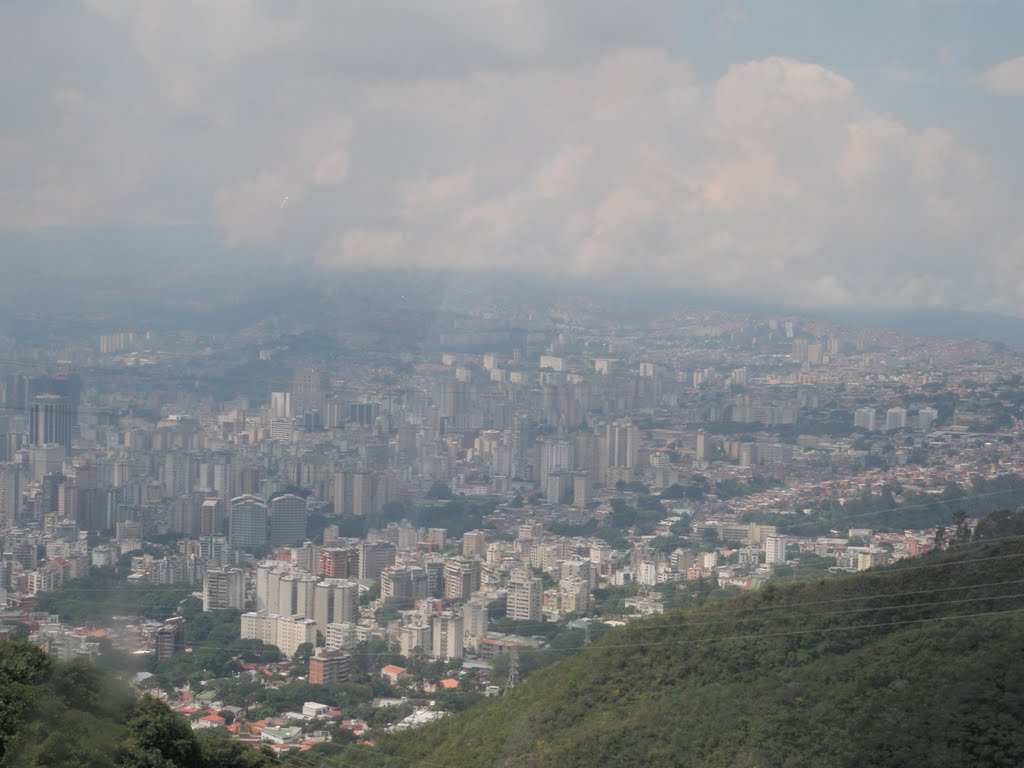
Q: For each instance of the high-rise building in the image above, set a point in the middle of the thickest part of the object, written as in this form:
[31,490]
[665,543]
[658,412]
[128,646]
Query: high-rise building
[287,520]
[895,418]
[223,588]
[374,557]
[338,562]
[447,636]
[415,636]
[52,419]
[169,639]
[10,495]
[285,632]
[335,602]
[355,493]
[474,543]
[247,522]
[308,386]
[524,597]
[775,550]
[926,417]
[461,579]
[864,418]
[212,517]
[329,667]
[403,585]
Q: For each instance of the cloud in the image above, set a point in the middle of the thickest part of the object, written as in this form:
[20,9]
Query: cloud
[562,139]
[1007,77]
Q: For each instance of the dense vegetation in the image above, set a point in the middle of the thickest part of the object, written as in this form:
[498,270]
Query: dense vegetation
[103,594]
[75,716]
[919,664]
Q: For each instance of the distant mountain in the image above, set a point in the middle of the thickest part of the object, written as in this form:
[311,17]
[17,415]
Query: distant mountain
[918,665]
[939,324]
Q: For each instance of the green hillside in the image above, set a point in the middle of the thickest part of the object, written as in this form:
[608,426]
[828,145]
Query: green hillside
[918,665]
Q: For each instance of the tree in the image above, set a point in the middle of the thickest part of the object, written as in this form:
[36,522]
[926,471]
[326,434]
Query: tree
[23,667]
[160,737]
[439,490]
[301,656]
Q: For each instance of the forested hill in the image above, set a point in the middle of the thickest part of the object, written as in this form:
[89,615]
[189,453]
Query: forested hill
[918,665]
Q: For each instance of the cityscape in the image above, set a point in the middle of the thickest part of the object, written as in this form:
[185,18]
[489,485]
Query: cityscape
[429,537]
[511,384]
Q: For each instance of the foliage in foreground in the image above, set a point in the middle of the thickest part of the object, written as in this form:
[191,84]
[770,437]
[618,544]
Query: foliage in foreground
[74,716]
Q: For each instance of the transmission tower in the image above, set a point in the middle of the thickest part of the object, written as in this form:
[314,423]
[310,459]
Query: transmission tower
[513,669]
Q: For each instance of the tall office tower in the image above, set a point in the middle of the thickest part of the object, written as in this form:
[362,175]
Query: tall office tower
[448,639]
[524,597]
[864,418]
[10,495]
[223,588]
[287,520]
[895,418]
[474,543]
[308,386]
[212,517]
[374,557]
[247,526]
[51,420]
[519,441]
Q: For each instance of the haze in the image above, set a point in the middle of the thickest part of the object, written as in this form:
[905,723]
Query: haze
[808,154]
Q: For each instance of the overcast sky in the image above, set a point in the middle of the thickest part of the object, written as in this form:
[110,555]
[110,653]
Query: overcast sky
[814,153]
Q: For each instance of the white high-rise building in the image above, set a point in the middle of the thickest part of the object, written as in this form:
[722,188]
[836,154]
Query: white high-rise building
[336,601]
[864,418]
[525,594]
[895,418]
[447,636]
[287,633]
[223,588]
[775,550]
[416,636]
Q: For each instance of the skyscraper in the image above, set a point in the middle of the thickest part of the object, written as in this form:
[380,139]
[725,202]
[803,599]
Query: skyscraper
[307,394]
[287,520]
[524,597]
[448,640]
[10,495]
[248,522]
[51,420]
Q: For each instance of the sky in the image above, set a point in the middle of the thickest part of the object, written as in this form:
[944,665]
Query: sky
[812,154]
